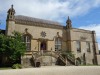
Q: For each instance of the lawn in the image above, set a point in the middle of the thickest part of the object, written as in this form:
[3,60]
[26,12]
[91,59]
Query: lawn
[5,68]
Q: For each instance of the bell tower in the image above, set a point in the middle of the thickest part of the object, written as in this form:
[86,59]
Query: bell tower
[68,31]
[68,23]
[10,21]
[11,13]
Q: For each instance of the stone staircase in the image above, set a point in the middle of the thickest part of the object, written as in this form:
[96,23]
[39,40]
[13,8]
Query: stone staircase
[36,55]
[71,60]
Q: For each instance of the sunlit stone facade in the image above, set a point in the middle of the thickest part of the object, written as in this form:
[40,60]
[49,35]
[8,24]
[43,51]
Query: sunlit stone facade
[47,36]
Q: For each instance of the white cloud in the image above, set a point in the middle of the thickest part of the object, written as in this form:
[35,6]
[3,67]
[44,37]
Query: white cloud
[93,27]
[50,9]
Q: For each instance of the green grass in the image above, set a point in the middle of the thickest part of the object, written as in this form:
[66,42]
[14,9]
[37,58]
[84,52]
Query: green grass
[89,65]
[5,68]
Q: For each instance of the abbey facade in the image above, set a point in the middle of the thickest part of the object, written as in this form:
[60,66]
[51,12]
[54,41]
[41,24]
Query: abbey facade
[46,40]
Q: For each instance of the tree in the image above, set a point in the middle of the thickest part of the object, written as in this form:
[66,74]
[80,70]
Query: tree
[11,47]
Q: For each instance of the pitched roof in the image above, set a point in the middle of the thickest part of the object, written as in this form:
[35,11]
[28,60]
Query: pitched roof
[32,20]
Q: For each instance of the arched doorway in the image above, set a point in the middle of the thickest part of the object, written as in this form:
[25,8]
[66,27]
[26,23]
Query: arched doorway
[84,59]
[78,61]
[43,46]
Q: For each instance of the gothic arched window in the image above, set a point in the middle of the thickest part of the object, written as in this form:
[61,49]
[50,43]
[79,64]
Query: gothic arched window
[88,46]
[27,40]
[58,44]
[78,46]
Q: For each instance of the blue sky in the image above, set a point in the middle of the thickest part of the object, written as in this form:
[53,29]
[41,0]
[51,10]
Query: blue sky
[85,14]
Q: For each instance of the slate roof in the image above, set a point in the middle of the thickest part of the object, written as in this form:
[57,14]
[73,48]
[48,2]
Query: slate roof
[31,19]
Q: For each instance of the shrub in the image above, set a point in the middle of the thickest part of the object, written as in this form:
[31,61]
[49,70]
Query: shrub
[17,66]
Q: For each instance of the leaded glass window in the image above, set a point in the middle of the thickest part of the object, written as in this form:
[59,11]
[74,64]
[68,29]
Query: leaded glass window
[88,46]
[58,44]
[27,40]
[78,46]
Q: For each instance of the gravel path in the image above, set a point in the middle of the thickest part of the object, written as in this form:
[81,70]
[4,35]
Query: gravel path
[54,70]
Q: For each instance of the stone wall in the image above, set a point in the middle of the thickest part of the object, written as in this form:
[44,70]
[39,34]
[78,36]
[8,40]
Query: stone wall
[68,36]
[98,58]
[83,36]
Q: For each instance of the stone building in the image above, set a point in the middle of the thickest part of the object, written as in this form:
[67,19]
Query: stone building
[46,40]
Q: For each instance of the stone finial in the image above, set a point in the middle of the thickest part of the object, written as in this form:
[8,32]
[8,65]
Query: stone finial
[26,29]
[68,23]
[12,5]
[11,13]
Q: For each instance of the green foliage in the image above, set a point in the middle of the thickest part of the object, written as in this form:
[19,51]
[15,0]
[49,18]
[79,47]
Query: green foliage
[89,64]
[17,46]
[5,68]
[12,47]
[17,66]
[68,53]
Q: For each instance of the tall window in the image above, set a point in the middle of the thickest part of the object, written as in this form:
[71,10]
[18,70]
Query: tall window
[58,44]
[27,40]
[78,46]
[88,46]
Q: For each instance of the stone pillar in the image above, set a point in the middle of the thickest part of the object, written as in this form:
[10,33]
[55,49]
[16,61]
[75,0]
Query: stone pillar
[94,47]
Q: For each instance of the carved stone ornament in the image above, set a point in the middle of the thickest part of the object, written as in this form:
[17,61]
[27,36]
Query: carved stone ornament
[43,34]
[26,29]
[83,38]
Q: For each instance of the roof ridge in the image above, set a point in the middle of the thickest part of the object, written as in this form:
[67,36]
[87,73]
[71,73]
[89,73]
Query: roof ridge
[27,18]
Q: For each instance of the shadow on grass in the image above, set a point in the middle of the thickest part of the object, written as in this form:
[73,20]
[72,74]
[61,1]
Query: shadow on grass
[5,68]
